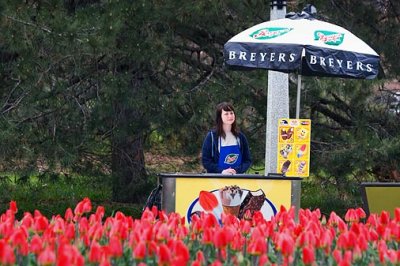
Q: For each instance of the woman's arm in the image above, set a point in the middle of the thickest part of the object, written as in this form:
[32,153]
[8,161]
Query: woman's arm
[246,156]
[209,161]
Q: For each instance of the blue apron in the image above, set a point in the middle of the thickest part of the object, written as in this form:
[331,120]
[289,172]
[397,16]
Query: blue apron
[229,156]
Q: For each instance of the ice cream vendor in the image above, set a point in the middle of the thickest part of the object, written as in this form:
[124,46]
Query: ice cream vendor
[225,148]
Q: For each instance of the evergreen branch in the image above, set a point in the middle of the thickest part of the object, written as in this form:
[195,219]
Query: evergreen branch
[336,117]
[28,23]
[7,107]
[203,80]
[32,118]
[393,8]
[6,104]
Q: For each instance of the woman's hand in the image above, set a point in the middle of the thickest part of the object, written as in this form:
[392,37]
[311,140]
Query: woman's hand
[229,171]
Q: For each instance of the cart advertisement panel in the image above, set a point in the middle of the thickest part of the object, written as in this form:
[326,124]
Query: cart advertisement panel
[239,197]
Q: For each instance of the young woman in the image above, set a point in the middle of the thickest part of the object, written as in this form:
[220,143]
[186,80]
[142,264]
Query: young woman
[225,149]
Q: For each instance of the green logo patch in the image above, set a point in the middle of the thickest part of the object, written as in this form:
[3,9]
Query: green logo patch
[329,37]
[231,158]
[269,33]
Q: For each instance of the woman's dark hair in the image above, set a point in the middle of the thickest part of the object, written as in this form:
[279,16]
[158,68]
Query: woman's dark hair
[218,120]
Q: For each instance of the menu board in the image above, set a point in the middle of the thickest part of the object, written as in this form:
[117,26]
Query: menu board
[294,147]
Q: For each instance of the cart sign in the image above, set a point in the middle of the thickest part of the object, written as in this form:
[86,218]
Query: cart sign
[294,147]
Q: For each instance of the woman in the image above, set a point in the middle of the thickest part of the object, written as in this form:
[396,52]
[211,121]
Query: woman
[225,149]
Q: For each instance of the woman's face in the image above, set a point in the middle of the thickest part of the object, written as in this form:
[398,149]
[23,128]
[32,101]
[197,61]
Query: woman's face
[228,117]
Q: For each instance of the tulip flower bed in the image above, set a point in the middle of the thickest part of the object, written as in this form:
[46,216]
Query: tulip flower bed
[84,238]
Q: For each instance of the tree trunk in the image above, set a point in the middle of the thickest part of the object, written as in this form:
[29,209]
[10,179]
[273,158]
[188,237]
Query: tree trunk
[130,182]
[128,170]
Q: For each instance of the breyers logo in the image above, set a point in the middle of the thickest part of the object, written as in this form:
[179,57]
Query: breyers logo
[329,37]
[269,33]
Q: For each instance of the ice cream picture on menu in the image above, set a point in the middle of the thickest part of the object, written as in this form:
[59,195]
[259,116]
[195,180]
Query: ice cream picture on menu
[231,198]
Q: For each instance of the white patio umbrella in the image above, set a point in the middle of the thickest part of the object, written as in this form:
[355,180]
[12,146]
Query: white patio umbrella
[300,43]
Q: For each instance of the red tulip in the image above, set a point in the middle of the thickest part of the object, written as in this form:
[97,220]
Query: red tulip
[68,254]
[7,256]
[257,217]
[362,242]
[384,218]
[68,216]
[308,255]
[263,260]
[162,232]
[200,256]
[139,251]
[208,235]
[325,240]
[334,219]
[347,259]
[69,231]
[19,240]
[337,255]
[164,255]
[36,244]
[148,215]
[95,252]
[99,213]
[154,210]
[59,226]
[181,252]
[47,257]
[347,240]
[257,247]
[307,238]
[397,215]
[216,263]
[285,244]
[27,220]
[105,262]
[221,238]
[373,235]
[40,223]
[83,226]
[238,241]
[96,231]
[82,207]
[382,250]
[115,246]
[13,207]
[245,227]
[209,221]
[392,256]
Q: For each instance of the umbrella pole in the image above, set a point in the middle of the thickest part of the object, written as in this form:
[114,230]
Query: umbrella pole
[298,96]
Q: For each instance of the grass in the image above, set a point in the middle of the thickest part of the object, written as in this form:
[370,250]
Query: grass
[54,195]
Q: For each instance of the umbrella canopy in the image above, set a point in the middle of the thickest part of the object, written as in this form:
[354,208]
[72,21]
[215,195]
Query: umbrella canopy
[303,44]
[300,43]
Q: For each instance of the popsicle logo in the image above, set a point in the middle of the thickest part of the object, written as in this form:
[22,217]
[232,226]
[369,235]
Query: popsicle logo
[231,158]
[269,33]
[329,37]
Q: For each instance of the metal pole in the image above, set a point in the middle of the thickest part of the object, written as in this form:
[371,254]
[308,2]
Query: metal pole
[298,96]
[277,100]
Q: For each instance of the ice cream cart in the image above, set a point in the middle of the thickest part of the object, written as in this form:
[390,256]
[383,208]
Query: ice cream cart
[188,193]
